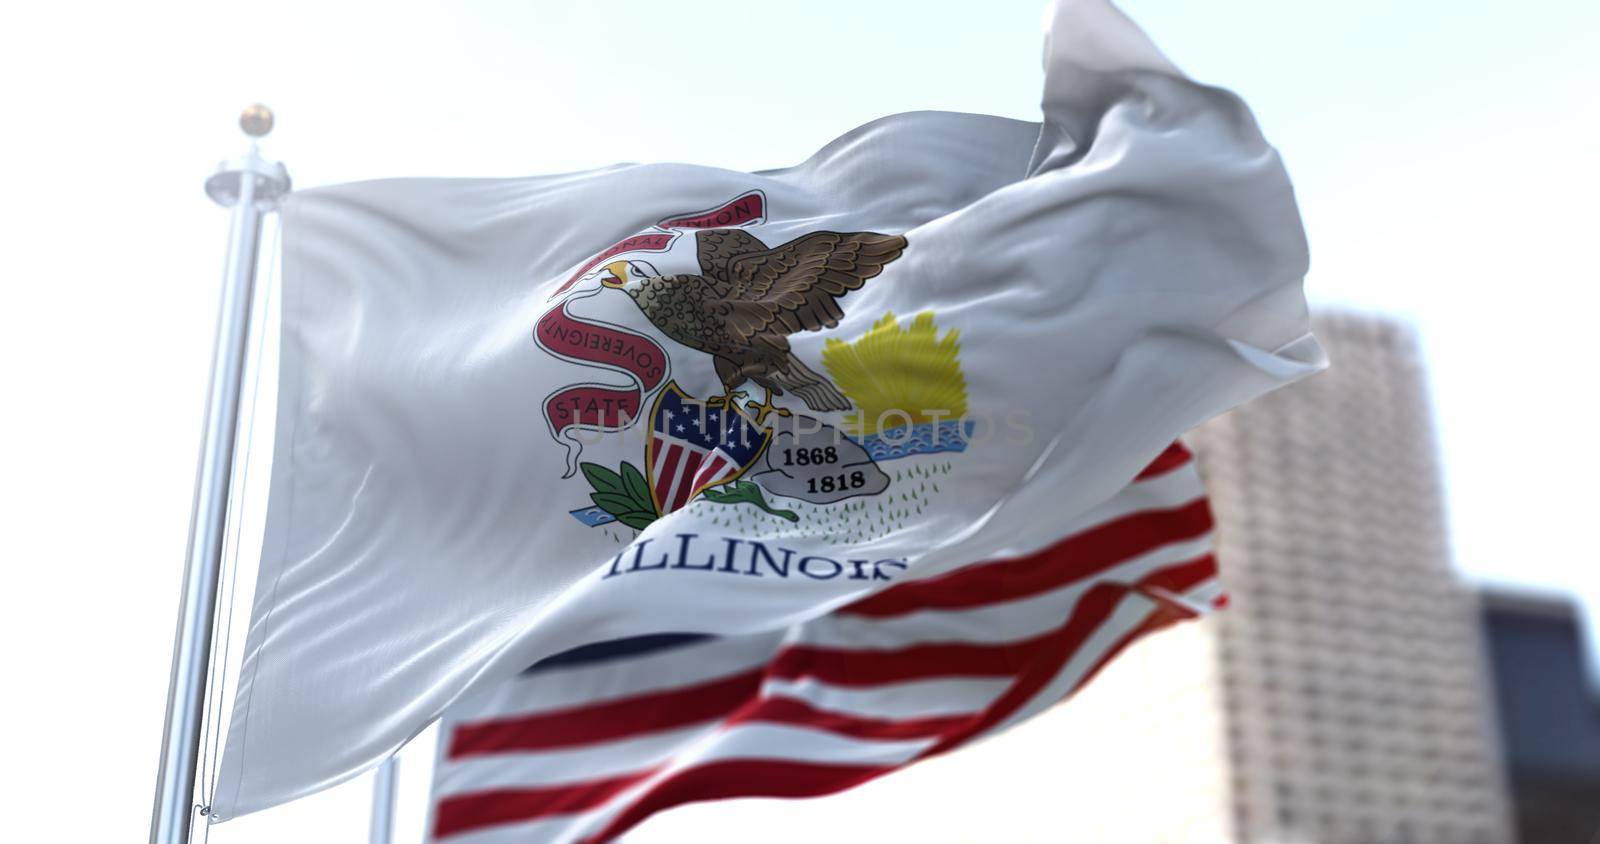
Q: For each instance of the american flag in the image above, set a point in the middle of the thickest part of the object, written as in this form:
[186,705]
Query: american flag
[694,446]
[586,745]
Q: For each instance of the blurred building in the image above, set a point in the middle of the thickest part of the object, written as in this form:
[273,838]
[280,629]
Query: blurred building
[1351,664]
[1343,698]
[1549,716]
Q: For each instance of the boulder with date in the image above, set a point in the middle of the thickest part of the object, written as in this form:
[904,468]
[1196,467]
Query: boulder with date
[815,462]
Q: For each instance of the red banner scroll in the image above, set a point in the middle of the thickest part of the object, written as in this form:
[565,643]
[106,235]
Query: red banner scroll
[747,209]
[601,345]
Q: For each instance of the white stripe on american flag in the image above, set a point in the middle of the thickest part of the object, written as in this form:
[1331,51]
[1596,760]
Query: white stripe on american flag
[571,753]
[913,699]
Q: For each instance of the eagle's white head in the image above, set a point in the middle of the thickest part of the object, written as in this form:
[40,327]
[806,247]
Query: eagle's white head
[622,274]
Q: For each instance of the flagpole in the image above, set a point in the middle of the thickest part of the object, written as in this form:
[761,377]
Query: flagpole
[384,788]
[250,186]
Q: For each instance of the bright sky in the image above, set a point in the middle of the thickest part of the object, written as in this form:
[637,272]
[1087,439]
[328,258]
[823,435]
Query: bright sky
[1444,154]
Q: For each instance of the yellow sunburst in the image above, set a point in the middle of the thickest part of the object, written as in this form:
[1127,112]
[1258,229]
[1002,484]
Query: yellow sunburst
[892,374]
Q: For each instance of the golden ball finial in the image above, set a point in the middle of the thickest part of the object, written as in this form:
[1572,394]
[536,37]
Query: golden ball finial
[256,120]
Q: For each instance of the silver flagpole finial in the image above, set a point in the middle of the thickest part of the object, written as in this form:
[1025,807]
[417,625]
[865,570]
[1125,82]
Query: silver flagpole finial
[270,182]
[256,120]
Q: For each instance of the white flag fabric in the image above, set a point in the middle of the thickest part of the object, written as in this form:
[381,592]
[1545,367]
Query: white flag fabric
[520,417]
[588,744]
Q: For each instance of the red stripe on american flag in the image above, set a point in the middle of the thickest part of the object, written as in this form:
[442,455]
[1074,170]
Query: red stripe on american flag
[1175,457]
[1075,558]
[608,720]
[467,812]
[841,667]
[1184,576]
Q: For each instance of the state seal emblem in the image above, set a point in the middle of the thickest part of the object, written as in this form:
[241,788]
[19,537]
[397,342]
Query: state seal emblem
[813,445]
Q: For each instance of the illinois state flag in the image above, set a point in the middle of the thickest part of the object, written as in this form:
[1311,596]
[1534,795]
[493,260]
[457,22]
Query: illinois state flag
[522,419]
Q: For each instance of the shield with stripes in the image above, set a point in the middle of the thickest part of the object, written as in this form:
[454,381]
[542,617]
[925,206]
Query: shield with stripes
[695,446]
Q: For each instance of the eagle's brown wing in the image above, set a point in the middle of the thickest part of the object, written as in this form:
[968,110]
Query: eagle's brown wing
[796,285]
[716,247]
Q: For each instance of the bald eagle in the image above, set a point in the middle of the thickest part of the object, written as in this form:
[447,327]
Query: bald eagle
[748,299]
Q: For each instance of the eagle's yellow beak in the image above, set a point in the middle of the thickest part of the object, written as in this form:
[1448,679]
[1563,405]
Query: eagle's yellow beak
[616,274]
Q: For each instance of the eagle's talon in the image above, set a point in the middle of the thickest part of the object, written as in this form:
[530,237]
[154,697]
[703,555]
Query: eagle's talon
[727,401]
[767,408]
